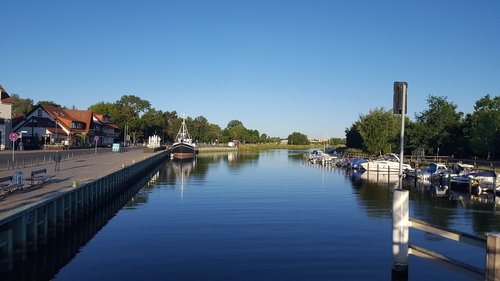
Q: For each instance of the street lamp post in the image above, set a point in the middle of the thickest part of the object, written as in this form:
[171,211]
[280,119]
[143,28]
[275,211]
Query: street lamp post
[55,137]
[21,145]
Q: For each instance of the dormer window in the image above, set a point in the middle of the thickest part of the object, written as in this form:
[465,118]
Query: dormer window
[40,112]
[78,125]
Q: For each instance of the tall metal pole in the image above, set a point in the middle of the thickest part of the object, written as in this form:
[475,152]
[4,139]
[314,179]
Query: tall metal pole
[402,136]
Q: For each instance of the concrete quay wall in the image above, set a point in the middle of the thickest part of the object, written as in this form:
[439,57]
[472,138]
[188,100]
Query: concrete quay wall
[33,225]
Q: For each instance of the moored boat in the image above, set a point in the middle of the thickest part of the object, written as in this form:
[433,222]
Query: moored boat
[426,174]
[390,163]
[184,147]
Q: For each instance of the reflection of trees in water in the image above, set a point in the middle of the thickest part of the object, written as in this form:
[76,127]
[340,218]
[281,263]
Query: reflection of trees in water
[376,199]
[197,168]
[427,204]
[429,208]
[442,211]
[236,161]
[142,196]
[296,155]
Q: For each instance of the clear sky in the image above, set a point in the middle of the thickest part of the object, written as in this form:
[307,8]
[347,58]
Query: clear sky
[278,66]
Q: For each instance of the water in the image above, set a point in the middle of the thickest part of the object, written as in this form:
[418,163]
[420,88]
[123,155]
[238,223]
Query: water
[269,216]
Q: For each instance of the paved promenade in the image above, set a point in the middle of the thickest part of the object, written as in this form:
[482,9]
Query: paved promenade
[81,170]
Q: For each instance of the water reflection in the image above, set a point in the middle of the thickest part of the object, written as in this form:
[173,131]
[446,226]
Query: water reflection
[434,204]
[46,262]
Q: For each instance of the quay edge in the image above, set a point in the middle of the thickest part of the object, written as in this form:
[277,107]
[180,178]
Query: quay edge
[25,227]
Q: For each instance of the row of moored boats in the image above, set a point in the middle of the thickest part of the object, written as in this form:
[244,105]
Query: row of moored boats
[459,177]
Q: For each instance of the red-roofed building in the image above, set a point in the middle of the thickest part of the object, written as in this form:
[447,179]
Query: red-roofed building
[5,119]
[105,129]
[70,127]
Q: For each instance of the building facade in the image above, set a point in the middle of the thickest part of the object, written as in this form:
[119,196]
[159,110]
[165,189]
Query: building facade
[5,119]
[54,126]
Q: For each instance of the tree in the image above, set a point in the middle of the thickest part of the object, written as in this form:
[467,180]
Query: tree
[129,111]
[169,118]
[297,138]
[437,125]
[49,103]
[336,142]
[234,123]
[199,129]
[21,106]
[237,132]
[134,104]
[153,123]
[105,108]
[353,137]
[252,136]
[214,133]
[379,129]
[485,127]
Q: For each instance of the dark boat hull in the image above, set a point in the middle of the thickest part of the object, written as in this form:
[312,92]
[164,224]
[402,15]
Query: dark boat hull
[183,151]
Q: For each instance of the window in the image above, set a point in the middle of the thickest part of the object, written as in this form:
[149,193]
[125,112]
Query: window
[40,112]
[77,125]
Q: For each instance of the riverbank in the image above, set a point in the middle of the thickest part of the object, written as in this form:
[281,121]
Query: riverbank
[254,147]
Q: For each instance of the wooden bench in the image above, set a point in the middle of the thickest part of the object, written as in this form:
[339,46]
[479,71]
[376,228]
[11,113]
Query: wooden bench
[7,185]
[39,177]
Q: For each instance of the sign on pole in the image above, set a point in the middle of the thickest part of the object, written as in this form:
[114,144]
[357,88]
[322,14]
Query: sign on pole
[13,136]
[96,139]
[400,107]
[400,97]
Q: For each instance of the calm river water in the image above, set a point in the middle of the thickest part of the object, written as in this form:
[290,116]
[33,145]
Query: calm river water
[269,216]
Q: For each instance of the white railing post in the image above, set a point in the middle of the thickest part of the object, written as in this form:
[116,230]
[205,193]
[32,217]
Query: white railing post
[492,256]
[400,224]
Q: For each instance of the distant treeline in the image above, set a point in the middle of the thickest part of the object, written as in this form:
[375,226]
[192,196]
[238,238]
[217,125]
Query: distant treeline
[438,130]
[142,121]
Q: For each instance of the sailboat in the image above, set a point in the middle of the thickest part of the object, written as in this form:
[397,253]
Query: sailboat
[183,147]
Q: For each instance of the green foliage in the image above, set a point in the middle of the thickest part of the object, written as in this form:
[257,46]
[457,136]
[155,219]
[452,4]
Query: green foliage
[379,129]
[234,123]
[235,130]
[435,125]
[170,125]
[336,142]
[105,108]
[485,127]
[21,106]
[152,123]
[439,126]
[297,138]
[353,137]
[214,133]
[49,103]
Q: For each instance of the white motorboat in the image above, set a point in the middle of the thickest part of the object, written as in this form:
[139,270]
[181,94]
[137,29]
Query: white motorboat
[426,174]
[390,164]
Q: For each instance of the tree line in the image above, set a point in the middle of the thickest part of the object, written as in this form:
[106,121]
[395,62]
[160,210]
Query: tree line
[438,130]
[143,120]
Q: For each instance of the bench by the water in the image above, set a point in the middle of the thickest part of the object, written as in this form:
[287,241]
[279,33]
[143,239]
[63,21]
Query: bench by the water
[9,184]
[39,177]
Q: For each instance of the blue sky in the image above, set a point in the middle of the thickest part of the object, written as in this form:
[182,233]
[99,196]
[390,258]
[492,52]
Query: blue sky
[277,66]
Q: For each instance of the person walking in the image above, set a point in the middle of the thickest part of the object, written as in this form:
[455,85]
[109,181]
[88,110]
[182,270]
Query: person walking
[57,161]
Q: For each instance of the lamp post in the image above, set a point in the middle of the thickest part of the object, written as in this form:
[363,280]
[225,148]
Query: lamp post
[55,137]
[21,145]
